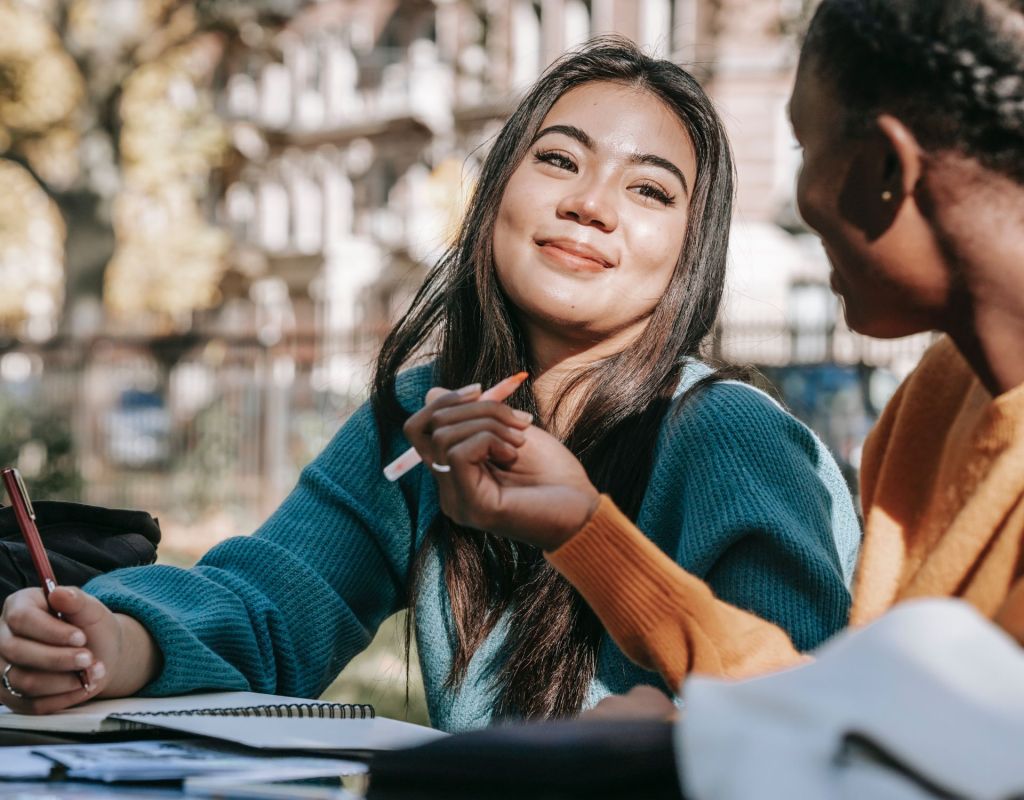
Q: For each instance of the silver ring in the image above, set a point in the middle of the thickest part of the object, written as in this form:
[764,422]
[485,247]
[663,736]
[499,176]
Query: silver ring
[440,467]
[7,683]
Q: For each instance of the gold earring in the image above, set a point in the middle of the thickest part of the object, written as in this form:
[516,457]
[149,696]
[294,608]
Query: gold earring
[887,196]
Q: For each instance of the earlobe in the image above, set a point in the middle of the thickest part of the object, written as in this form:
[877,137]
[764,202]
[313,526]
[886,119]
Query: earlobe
[884,171]
[871,192]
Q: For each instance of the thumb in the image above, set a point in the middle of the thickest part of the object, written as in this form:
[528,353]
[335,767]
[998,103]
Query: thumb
[78,608]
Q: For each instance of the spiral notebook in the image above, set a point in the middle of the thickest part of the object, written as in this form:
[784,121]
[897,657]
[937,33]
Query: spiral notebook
[105,716]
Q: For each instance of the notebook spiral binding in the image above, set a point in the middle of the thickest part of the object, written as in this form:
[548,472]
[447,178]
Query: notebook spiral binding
[281,710]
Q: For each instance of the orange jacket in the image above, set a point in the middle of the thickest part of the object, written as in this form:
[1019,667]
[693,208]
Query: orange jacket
[942,486]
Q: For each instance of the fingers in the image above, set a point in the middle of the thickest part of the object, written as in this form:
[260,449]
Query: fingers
[477,449]
[470,494]
[35,684]
[1010,616]
[641,702]
[79,609]
[446,409]
[45,653]
[418,427]
[499,412]
[24,652]
[27,614]
[444,439]
[44,703]
[438,392]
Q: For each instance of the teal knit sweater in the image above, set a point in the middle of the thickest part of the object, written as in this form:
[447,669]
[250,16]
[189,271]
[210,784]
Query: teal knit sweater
[741,494]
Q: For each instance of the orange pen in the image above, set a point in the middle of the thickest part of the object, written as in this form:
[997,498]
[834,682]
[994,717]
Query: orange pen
[498,393]
[26,516]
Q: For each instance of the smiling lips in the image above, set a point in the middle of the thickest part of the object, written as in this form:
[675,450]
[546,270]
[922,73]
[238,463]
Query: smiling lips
[575,254]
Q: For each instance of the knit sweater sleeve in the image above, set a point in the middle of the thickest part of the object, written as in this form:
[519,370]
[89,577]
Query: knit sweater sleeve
[765,540]
[662,617]
[283,610]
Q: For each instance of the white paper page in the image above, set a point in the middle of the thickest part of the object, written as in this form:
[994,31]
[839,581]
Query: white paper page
[23,763]
[303,734]
[93,717]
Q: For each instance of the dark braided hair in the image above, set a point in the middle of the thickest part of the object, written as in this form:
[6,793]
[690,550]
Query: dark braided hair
[952,70]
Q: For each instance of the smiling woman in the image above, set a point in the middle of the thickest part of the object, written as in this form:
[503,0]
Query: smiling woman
[591,226]
[592,256]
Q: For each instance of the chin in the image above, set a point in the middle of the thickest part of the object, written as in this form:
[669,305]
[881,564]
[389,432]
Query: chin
[883,327]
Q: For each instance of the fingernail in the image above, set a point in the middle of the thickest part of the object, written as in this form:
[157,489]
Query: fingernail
[77,639]
[98,671]
[525,416]
[83,659]
[466,391]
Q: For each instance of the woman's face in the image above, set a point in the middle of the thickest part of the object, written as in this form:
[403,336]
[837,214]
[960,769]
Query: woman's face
[885,264]
[592,222]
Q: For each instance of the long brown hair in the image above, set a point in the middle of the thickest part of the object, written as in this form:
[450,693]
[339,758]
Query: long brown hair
[550,653]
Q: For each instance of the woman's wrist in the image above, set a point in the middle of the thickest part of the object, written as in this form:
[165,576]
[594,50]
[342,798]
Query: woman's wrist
[580,506]
[140,659]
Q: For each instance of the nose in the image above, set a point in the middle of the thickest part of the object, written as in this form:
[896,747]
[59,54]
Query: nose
[590,203]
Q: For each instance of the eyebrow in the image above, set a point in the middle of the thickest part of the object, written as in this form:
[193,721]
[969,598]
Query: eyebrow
[584,139]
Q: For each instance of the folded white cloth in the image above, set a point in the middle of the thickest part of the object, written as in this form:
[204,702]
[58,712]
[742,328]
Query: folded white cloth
[926,702]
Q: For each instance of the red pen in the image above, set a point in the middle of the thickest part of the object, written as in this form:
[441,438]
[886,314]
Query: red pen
[26,516]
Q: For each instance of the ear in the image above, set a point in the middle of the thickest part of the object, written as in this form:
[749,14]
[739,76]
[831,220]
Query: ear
[884,170]
[905,153]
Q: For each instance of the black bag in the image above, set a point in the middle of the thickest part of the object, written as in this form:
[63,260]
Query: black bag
[81,541]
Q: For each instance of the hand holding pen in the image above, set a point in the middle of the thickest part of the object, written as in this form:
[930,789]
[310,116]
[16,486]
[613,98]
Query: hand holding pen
[25,514]
[57,642]
[498,393]
[499,473]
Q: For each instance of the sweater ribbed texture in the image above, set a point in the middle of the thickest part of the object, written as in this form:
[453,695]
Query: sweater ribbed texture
[741,495]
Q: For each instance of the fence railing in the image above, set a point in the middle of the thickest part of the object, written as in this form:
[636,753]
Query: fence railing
[188,428]
[210,433]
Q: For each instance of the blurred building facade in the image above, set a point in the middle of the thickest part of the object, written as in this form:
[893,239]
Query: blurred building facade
[361,142]
[352,133]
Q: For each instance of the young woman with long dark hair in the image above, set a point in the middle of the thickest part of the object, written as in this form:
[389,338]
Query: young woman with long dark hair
[592,256]
[911,120]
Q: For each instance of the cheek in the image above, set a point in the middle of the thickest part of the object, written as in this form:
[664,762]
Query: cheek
[657,245]
[516,213]
[508,226]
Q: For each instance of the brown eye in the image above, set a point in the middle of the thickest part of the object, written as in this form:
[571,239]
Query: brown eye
[555,159]
[655,192]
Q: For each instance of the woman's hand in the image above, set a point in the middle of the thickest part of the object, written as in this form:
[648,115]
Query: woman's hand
[1010,617]
[45,654]
[640,702]
[507,476]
